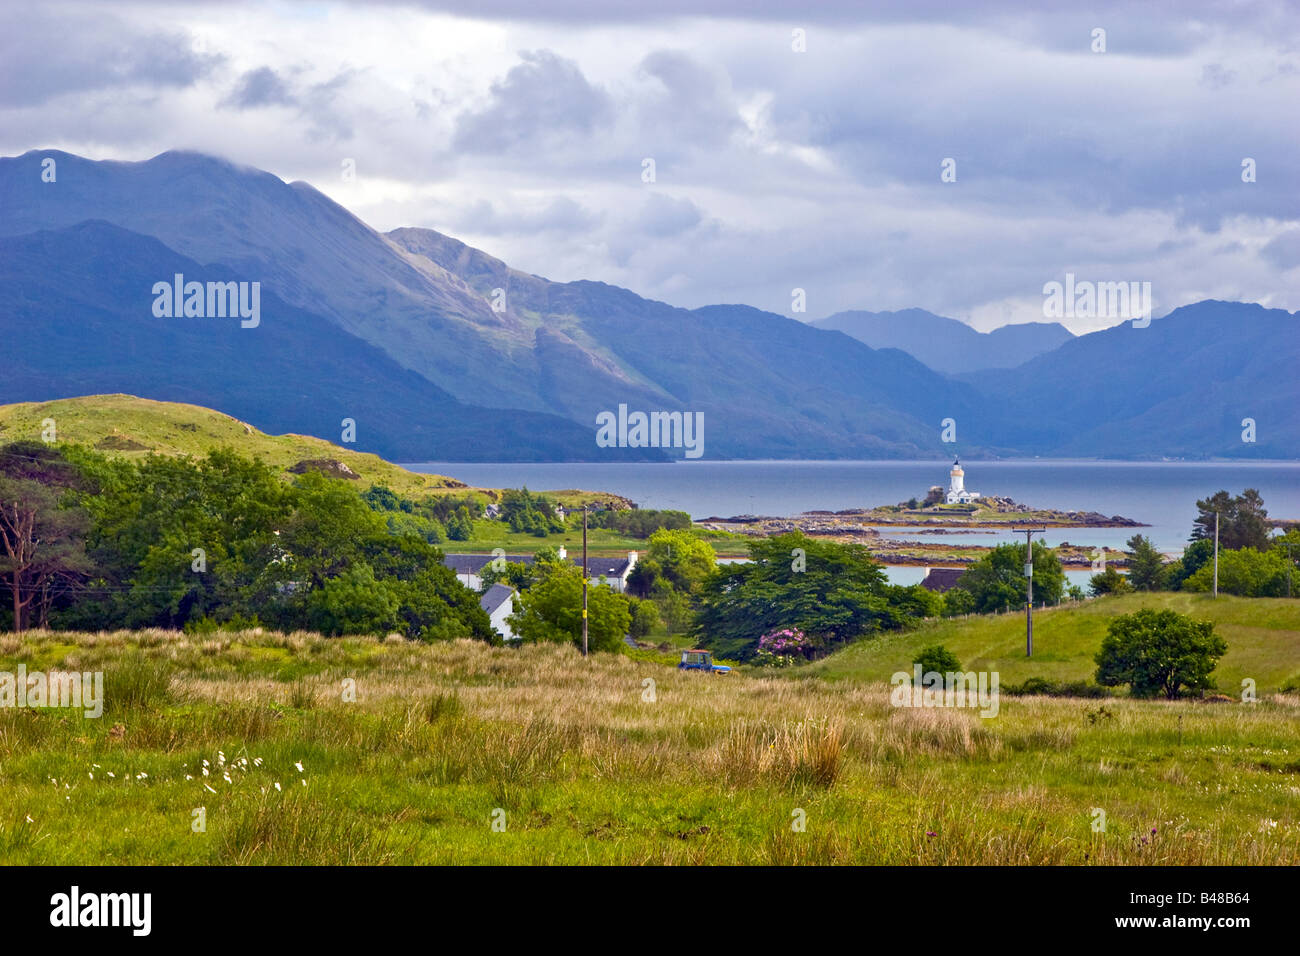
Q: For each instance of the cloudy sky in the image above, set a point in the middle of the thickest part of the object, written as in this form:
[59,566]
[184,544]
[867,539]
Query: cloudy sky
[526,133]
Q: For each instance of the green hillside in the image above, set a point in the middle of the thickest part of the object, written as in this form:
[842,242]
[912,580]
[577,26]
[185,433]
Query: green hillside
[1263,636]
[126,426]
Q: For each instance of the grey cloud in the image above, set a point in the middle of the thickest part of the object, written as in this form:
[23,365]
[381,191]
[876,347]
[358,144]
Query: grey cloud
[44,55]
[541,100]
[663,216]
[1284,250]
[562,215]
[260,87]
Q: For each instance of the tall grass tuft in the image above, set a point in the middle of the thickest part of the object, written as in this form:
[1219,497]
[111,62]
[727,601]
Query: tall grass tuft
[136,681]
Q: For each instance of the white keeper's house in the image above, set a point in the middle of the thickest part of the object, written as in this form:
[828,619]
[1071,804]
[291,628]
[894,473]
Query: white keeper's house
[957,493]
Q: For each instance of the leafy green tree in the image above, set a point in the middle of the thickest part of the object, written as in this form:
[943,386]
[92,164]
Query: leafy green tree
[832,592]
[460,526]
[1145,564]
[1243,520]
[532,513]
[1109,581]
[916,601]
[180,538]
[551,610]
[679,558]
[937,659]
[1195,556]
[958,601]
[640,522]
[645,618]
[1246,572]
[997,580]
[354,602]
[1159,652]
[327,530]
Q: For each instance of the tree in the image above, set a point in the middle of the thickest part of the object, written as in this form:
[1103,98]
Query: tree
[1196,555]
[551,610]
[958,601]
[354,602]
[937,659]
[41,544]
[460,526]
[1247,572]
[1159,652]
[916,601]
[997,580]
[645,617]
[834,593]
[1109,581]
[42,530]
[1243,520]
[1145,564]
[678,557]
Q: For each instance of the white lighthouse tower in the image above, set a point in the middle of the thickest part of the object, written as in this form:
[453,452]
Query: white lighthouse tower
[957,493]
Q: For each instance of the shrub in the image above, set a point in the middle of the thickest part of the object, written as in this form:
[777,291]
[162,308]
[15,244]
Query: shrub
[937,659]
[1158,652]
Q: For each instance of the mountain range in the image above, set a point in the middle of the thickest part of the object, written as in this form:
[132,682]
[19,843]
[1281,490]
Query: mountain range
[947,345]
[439,351]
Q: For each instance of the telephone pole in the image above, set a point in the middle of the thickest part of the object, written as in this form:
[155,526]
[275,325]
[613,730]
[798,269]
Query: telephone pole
[1029,595]
[584,579]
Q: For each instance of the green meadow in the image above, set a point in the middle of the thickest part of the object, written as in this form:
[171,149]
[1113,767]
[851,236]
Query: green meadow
[258,747]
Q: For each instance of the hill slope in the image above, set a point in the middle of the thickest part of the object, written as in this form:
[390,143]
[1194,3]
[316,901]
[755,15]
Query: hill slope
[131,427]
[1263,636]
[947,345]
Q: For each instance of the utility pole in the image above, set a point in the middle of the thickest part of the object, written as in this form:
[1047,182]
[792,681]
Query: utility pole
[1216,554]
[584,579]
[1029,595]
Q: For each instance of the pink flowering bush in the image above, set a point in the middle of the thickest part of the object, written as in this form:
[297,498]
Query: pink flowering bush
[781,648]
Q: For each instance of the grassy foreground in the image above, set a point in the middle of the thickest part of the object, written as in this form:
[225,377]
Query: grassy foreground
[578,762]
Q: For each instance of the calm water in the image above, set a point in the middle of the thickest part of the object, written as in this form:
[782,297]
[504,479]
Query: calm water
[1161,494]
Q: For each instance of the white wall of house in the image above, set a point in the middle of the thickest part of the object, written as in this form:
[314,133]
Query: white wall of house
[498,618]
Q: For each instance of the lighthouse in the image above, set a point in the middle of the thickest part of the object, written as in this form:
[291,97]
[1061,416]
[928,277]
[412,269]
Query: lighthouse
[957,493]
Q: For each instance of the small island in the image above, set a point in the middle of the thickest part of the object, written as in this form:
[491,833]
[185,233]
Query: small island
[954,510]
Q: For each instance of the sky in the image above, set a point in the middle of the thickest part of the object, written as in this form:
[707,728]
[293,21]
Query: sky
[790,150]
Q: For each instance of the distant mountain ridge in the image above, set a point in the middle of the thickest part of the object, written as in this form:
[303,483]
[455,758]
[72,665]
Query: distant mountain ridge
[404,332]
[947,345]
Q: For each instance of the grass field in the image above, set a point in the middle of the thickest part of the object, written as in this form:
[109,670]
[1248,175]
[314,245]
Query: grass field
[577,762]
[1263,636]
[129,427]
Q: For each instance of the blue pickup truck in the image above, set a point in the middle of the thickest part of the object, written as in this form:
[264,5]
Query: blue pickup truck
[698,660]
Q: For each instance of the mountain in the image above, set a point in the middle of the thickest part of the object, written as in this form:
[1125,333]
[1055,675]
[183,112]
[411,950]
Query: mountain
[1180,387]
[399,332]
[768,386]
[947,345]
[76,316]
